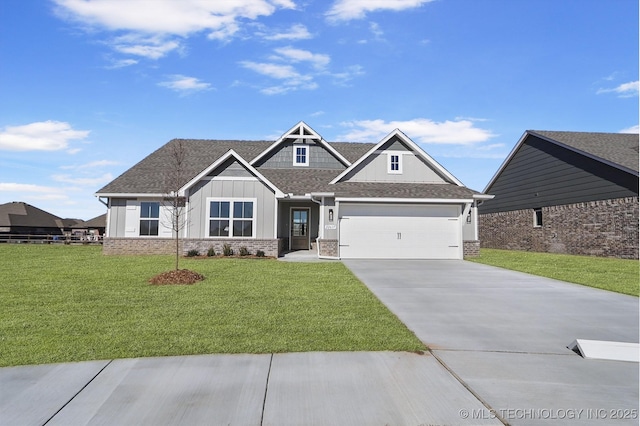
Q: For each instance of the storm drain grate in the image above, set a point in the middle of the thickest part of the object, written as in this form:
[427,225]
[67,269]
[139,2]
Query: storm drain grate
[600,349]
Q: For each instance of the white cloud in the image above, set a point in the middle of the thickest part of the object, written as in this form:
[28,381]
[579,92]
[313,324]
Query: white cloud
[91,165]
[152,47]
[632,129]
[40,136]
[625,90]
[296,32]
[317,60]
[84,181]
[185,85]
[351,72]
[345,10]
[153,28]
[121,63]
[291,79]
[26,192]
[422,130]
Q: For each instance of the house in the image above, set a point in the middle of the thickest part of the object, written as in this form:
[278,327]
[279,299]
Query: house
[344,200]
[92,229]
[565,192]
[22,219]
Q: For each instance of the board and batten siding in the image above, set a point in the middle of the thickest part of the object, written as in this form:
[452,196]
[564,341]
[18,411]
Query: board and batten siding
[543,174]
[375,169]
[264,210]
[282,158]
[117,217]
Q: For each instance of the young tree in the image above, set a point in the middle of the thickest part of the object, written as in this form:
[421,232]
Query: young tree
[174,202]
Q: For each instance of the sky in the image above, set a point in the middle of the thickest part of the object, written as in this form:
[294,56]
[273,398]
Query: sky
[90,87]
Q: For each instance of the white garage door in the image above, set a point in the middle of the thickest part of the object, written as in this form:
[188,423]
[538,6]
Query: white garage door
[400,232]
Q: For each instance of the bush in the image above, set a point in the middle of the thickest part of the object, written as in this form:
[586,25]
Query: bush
[227,250]
[260,253]
[211,252]
[193,253]
[243,251]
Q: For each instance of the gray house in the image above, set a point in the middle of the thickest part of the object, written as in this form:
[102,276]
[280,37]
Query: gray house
[342,200]
[565,192]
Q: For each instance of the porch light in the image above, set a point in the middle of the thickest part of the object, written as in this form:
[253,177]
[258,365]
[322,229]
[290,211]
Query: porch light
[330,215]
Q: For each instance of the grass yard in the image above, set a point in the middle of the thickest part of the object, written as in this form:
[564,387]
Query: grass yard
[71,303]
[619,275]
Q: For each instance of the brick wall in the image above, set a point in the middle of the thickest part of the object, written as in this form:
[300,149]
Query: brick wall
[112,246]
[328,248]
[471,248]
[605,228]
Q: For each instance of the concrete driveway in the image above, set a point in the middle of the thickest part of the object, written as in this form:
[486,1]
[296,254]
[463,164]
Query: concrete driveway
[504,335]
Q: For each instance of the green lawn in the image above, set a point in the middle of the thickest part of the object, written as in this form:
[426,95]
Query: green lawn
[71,303]
[619,275]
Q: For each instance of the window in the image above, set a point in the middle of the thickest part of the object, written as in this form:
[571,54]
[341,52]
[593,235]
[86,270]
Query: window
[149,218]
[219,219]
[394,163]
[231,218]
[300,155]
[537,218]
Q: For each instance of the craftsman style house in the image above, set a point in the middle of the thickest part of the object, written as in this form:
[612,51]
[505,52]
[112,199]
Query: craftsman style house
[342,200]
[566,192]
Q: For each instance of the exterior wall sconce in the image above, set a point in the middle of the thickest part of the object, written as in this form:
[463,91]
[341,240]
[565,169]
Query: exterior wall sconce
[330,215]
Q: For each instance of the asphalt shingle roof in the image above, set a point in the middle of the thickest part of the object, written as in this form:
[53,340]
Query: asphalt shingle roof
[150,175]
[616,148]
[23,214]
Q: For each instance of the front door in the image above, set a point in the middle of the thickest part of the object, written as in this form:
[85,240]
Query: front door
[299,229]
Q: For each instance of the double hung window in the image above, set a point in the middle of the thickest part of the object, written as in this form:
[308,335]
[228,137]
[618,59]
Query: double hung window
[149,218]
[231,218]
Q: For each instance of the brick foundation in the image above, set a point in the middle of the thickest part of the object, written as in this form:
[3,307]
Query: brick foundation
[471,248]
[115,246]
[605,228]
[328,248]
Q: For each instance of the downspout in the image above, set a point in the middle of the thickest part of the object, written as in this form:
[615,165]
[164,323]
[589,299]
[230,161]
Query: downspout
[320,222]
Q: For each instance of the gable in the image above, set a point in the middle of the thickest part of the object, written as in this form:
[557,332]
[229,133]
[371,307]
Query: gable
[377,168]
[282,156]
[230,168]
[314,152]
[540,174]
[396,158]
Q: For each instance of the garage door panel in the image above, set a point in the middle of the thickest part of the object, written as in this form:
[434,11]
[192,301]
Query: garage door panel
[380,237]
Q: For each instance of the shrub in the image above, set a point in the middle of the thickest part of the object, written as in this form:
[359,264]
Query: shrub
[211,252]
[260,253]
[193,253]
[243,251]
[227,250]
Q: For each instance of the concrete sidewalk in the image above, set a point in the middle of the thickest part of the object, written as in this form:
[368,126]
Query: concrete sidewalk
[504,334]
[315,388]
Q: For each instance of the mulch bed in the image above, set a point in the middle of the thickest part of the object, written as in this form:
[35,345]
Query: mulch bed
[181,276]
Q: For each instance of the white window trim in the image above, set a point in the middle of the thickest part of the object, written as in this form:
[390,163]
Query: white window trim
[390,155]
[231,201]
[306,155]
[535,218]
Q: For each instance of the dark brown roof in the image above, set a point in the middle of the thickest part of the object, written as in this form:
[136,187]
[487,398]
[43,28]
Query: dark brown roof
[300,182]
[96,222]
[150,174]
[22,214]
[619,149]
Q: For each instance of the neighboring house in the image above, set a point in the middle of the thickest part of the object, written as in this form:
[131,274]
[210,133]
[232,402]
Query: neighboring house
[18,218]
[565,192]
[92,229]
[345,200]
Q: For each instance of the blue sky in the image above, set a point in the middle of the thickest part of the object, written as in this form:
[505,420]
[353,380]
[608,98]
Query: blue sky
[90,87]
